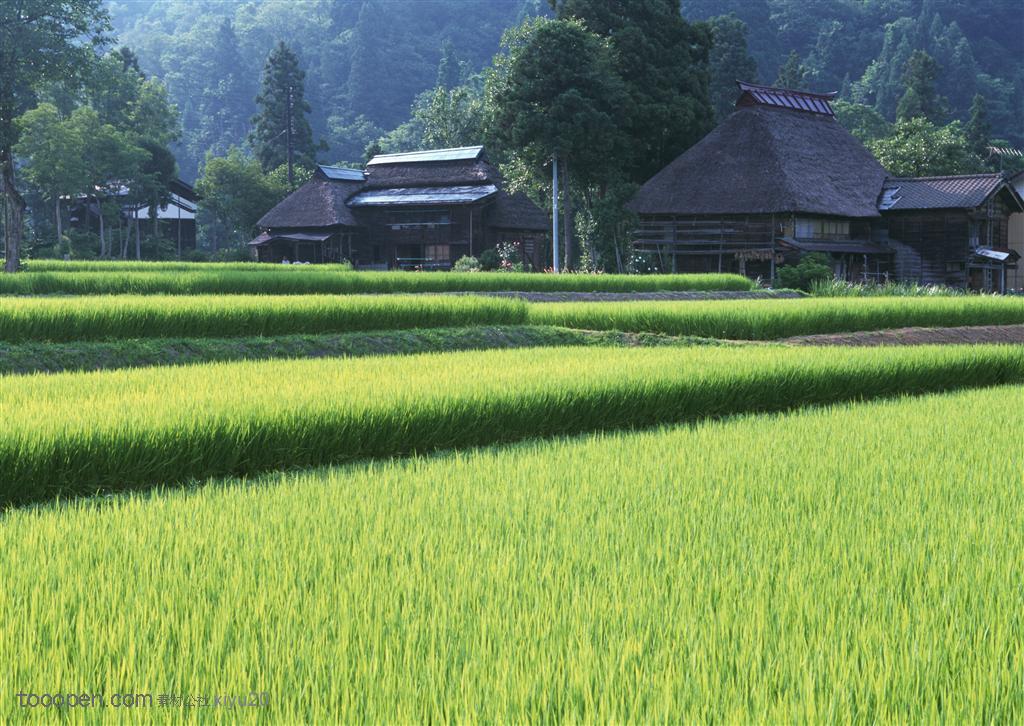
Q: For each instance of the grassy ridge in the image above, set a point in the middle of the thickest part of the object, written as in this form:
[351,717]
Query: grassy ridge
[308,280]
[78,433]
[857,564]
[769,319]
[20,358]
[201,316]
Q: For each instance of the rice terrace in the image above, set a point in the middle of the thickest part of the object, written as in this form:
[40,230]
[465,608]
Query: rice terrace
[511,362]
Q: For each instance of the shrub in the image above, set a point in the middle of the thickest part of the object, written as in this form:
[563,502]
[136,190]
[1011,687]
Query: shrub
[813,268]
[466,264]
[489,260]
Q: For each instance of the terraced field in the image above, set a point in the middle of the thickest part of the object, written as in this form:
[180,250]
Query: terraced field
[646,511]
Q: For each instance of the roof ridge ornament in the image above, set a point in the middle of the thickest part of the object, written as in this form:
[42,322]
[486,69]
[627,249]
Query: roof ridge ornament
[752,94]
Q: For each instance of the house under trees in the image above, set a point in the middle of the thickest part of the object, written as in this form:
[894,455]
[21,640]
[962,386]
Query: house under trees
[418,210]
[781,177]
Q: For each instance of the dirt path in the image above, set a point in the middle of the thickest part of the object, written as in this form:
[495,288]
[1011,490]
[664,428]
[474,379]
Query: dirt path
[1011,334]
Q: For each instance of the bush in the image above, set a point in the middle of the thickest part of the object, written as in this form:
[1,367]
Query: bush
[489,260]
[466,263]
[812,269]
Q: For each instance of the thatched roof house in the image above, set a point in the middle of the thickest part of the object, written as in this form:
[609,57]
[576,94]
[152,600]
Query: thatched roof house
[421,209]
[781,177]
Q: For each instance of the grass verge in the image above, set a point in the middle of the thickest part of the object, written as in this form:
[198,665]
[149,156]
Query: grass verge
[855,564]
[78,433]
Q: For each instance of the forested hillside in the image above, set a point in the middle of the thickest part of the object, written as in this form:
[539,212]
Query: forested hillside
[366,60]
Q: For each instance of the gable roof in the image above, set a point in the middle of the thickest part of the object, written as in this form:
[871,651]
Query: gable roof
[460,153]
[320,202]
[940,192]
[764,159]
[754,95]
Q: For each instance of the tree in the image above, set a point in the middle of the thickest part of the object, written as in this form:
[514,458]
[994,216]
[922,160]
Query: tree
[235,194]
[917,147]
[662,62]
[557,95]
[792,74]
[728,62]
[921,99]
[53,148]
[862,121]
[282,100]
[225,108]
[978,129]
[442,118]
[40,42]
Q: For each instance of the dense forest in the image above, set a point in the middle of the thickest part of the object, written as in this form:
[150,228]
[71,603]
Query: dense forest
[366,60]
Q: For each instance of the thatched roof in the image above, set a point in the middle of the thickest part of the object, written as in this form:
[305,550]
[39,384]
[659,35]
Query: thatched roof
[442,167]
[320,202]
[768,159]
[516,211]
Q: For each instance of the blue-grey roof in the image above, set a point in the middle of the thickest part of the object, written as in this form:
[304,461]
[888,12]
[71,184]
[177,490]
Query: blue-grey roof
[461,153]
[939,192]
[340,172]
[422,195]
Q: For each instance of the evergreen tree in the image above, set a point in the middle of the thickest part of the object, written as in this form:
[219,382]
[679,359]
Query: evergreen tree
[978,130]
[728,62]
[225,108]
[920,100]
[449,70]
[282,97]
[792,74]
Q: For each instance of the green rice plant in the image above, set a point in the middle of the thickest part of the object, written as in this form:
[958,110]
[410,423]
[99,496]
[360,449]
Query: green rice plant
[77,433]
[856,564]
[770,319]
[841,288]
[204,316]
[251,279]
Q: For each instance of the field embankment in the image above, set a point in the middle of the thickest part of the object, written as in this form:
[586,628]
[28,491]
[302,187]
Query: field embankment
[34,357]
[305,280]
[78,433]
[773,319]
[852,564]
[1006,334]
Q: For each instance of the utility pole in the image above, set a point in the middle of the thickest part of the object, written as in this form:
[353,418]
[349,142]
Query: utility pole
[554,210]
[291,177]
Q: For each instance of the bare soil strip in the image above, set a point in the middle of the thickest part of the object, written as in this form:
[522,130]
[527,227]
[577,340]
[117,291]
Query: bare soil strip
[1009,334]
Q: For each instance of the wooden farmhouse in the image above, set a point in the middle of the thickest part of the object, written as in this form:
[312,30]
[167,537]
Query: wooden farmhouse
[176,220]
[418,210]
[781,178]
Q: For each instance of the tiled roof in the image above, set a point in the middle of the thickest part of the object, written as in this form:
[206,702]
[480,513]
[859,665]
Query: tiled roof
[754,95]
[938,192]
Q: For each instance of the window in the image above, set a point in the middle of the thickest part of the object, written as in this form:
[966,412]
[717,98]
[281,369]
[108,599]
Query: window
[437,253]
[822,229]
[418,218]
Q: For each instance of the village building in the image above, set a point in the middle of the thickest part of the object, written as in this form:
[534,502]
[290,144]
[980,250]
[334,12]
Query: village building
[781,177]
[417,210]
[175,219]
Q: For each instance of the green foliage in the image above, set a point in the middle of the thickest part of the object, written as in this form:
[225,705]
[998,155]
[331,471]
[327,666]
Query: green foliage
[810,270]
[861,120]
[921,99]
[442,118]
[793,74]
[919,148]
[489,259]
[728,62]
[771,319]
[70,428]
[235,194]
[978,130]
[841,288]
[283,87]
[466,263]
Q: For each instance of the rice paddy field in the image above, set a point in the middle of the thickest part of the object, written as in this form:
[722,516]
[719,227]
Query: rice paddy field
[626,512]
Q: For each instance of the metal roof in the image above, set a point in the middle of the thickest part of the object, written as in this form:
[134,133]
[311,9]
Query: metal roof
[752,94]
[340,172]
[422,195]
[998,255]
[461,153]
[939,192]
[266,237]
